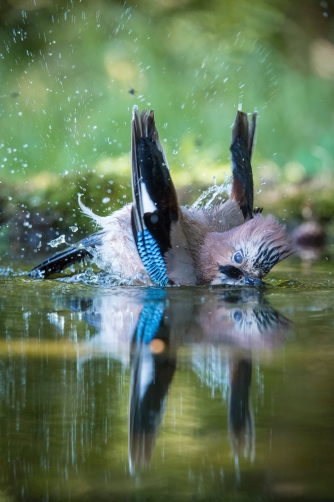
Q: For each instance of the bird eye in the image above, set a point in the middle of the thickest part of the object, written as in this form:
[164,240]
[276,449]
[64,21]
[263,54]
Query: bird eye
[237,315]
[238,257]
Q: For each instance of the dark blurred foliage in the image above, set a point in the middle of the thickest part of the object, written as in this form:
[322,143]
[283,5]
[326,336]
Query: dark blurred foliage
[38,213]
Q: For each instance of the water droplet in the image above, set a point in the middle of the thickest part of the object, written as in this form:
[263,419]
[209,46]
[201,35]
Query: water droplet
[56,242]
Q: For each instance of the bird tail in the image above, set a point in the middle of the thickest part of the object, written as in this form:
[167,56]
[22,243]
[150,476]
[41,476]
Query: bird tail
[241,148]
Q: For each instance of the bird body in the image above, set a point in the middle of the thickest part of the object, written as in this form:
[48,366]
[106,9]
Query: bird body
[116,250]
[113,248]
[225,244]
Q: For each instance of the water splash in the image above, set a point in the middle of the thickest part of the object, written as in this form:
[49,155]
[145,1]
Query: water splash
[56,242]
[6,271]
[214,194]
[107,279]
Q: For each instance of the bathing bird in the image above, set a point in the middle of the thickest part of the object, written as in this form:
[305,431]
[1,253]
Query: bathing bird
[227,243]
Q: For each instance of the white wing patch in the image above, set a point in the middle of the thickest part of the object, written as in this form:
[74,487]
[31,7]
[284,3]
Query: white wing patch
[147,371]
[148,204]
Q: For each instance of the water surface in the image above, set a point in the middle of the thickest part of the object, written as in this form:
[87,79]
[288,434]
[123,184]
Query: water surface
[158,394]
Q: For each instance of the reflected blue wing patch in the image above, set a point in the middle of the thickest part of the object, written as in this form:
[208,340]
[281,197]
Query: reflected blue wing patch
[149,322]
[150,255]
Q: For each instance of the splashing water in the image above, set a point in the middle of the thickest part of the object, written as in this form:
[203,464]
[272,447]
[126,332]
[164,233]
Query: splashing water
[107,279]
[214,194]
[56,242]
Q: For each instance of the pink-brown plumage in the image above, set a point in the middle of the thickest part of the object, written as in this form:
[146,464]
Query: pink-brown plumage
[249,250]
[228,243]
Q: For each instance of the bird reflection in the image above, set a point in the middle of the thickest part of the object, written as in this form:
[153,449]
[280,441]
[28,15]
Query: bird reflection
[240,416]
[152,368]
[243,318]
[238,322]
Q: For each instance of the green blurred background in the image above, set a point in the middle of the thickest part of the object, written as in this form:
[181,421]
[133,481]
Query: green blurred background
[72,70]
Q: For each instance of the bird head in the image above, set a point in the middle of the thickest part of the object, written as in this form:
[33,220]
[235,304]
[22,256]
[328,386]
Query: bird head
[245,254]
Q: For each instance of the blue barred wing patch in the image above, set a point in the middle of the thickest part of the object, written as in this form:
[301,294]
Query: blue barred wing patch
[149,322]
[150,255]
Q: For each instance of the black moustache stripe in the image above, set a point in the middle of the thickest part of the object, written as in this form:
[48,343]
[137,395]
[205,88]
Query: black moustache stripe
[230,271]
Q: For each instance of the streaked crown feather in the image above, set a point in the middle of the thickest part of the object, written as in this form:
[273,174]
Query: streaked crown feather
[263,242]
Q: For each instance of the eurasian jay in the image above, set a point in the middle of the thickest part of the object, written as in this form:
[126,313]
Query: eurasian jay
[228,243]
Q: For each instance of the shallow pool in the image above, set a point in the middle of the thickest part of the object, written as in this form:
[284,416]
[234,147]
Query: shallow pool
[167,394]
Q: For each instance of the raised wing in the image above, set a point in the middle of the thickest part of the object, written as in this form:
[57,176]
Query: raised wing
[241,148]
[155,211]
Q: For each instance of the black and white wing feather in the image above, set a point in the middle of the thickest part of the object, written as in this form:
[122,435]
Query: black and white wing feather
[151,375]
[155,205]
[63,259]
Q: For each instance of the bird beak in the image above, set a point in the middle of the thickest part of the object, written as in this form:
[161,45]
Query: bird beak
[253,281]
